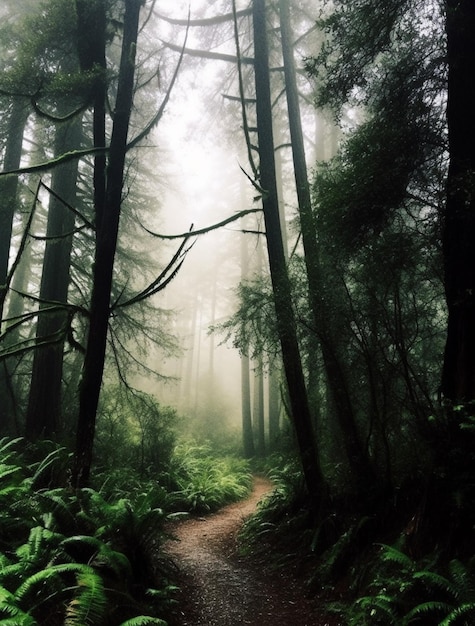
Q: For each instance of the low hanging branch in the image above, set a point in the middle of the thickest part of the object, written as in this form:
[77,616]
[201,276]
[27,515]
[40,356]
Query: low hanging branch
[163,279]
[206,54]
[47,165]
[203,231]
[207,21]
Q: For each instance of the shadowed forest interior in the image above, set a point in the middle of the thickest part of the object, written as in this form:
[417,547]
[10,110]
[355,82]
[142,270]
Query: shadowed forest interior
[237,239]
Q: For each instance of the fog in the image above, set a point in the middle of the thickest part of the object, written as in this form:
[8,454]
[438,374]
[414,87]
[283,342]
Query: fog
[199,160]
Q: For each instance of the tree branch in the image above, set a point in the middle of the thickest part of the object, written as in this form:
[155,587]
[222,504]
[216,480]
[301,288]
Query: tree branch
[203,231]
[209,21]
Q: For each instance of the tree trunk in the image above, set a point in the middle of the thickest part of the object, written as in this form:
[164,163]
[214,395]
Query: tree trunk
[8,190]
[258,413]
[8,205]
[274,406]
[458,237]
[43,415]
[286,325]
[355,452]
[106,241]
[247,432]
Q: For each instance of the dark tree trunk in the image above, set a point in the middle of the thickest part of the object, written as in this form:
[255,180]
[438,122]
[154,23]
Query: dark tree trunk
[8,205]
[285,317]
[43,415]
[258,413]
[106,241]
[274,406]
[247,432]
[91,46]
[355,453]
[8,189]
[458,376]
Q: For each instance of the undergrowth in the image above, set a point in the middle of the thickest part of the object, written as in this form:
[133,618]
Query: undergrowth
[203,482]
[93,556]
[72,557]
[403,592]
[338,558]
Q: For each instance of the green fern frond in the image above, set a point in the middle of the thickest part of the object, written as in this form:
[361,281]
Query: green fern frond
[46,577]
[460,613]
[7,471]
[391,554]
[143,620]
[434,580]
[380,606]
[426,608]
[58,502]
[96,553]
[56,457]
[464,580]
[41,542]
[6,444]
[14,615]
[90,603]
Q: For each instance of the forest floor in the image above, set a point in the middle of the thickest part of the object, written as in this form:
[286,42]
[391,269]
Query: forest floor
[220,587]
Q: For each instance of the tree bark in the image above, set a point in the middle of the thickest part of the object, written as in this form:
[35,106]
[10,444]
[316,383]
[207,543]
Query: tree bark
[246,410]
[8,190]
[355,453]
[43,416]
[106,241]
[285,317]
[458,236]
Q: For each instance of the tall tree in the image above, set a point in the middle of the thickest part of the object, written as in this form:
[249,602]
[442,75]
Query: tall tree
[107,225]
[285,316]
[43,417]
[458,378]
[356,454]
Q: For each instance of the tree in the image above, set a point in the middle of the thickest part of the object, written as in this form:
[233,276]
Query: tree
[282,293]
[356,456]
[458,377]
[107,225]
[43,417]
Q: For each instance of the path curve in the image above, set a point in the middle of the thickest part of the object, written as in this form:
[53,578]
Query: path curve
[219,589]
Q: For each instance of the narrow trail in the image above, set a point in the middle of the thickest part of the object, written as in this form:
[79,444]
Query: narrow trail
[220,589]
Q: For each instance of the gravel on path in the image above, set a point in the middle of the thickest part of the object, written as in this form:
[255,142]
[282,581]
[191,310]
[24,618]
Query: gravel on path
[220,589]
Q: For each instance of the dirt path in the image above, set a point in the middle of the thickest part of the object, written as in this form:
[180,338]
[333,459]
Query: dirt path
[219,589]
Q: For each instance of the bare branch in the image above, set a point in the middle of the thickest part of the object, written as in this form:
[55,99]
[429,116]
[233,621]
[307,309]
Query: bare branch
[206,54]
[47,165]
[208,229]
[209,21]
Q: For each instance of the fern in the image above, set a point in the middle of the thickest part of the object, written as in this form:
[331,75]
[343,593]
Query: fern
[463,580]
[391,554]
[432,580]
[6,446]
[90,603]
[460,613]
[46,577]
[425,609]
[380,606]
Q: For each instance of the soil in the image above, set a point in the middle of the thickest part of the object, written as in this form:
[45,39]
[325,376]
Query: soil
[221,588]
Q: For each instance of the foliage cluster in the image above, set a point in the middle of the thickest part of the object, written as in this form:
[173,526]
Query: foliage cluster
[403,592]
[74,557]
[94,556]
[204,482]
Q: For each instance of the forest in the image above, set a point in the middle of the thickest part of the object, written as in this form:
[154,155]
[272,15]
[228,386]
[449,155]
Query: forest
[236,242]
